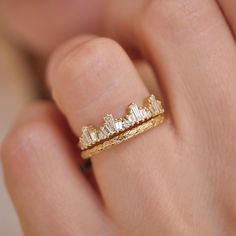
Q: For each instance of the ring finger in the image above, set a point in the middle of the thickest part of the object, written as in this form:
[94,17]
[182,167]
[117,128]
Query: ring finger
[88,80]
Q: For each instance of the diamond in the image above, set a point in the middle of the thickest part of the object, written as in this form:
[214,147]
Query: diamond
[86,139]
[143,114]
[149,114]
[146,114]
[110,123]
[154,105]
[109,129]
[105,131]
[131,119]
[86,136]
[94,136]
[126,124]
[135,110]
[118,125]
[101,136]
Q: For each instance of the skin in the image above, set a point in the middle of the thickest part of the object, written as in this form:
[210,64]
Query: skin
[178,179]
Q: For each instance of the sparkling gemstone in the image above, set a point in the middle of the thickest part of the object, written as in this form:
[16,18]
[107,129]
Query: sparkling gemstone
[105,131]
[110,123]
[146,114]
[131,119]
[126,124]
[149,114]
[118,125]
[86,136]
[154,105]
[101,136]
[94,136]
[143,113]
[109,129]
[135,110]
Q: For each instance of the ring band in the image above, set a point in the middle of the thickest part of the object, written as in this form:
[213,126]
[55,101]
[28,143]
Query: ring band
[156,121]
[115,131]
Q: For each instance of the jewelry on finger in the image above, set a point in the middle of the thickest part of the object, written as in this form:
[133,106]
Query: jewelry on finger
[115,131]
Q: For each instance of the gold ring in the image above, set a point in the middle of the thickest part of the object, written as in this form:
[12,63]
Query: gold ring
[115,131]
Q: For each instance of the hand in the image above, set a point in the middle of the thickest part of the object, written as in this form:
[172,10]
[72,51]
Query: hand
[178,179]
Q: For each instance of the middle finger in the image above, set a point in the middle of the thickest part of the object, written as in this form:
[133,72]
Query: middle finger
[191,48]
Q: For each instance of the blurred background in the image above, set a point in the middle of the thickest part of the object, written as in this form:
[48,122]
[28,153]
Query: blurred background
[17,90]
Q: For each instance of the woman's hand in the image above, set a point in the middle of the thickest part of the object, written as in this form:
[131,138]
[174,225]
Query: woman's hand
[178,179]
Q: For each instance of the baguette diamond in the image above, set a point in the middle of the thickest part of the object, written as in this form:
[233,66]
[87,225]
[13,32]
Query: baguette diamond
[118,125]
[94,136]
[135,112]
[131,118]
[101,136]
[126,124]
[154,105]
[110,123]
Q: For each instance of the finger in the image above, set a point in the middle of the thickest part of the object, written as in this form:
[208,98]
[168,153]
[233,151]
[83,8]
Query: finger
[228,7]
[191,49]
[148,76]
[50,194]
[97,78]
[66,77]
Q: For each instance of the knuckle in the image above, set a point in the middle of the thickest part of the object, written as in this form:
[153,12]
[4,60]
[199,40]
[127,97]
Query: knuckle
[89,65]
[94,55]
[101,48]
[28,128]
[21,144]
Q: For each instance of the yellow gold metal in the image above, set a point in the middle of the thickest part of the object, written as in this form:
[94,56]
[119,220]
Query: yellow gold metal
[135,115]
[126,135]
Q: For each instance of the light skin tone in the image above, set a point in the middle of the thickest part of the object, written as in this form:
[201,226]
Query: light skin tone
[178,179]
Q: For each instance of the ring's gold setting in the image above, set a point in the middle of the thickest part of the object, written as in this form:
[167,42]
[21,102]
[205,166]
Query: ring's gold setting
[114,131]
[153,122]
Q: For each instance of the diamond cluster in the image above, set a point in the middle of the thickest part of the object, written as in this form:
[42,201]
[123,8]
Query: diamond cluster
[91,135]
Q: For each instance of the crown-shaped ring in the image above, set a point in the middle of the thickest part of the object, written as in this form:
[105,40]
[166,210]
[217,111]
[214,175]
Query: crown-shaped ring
[91,136]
